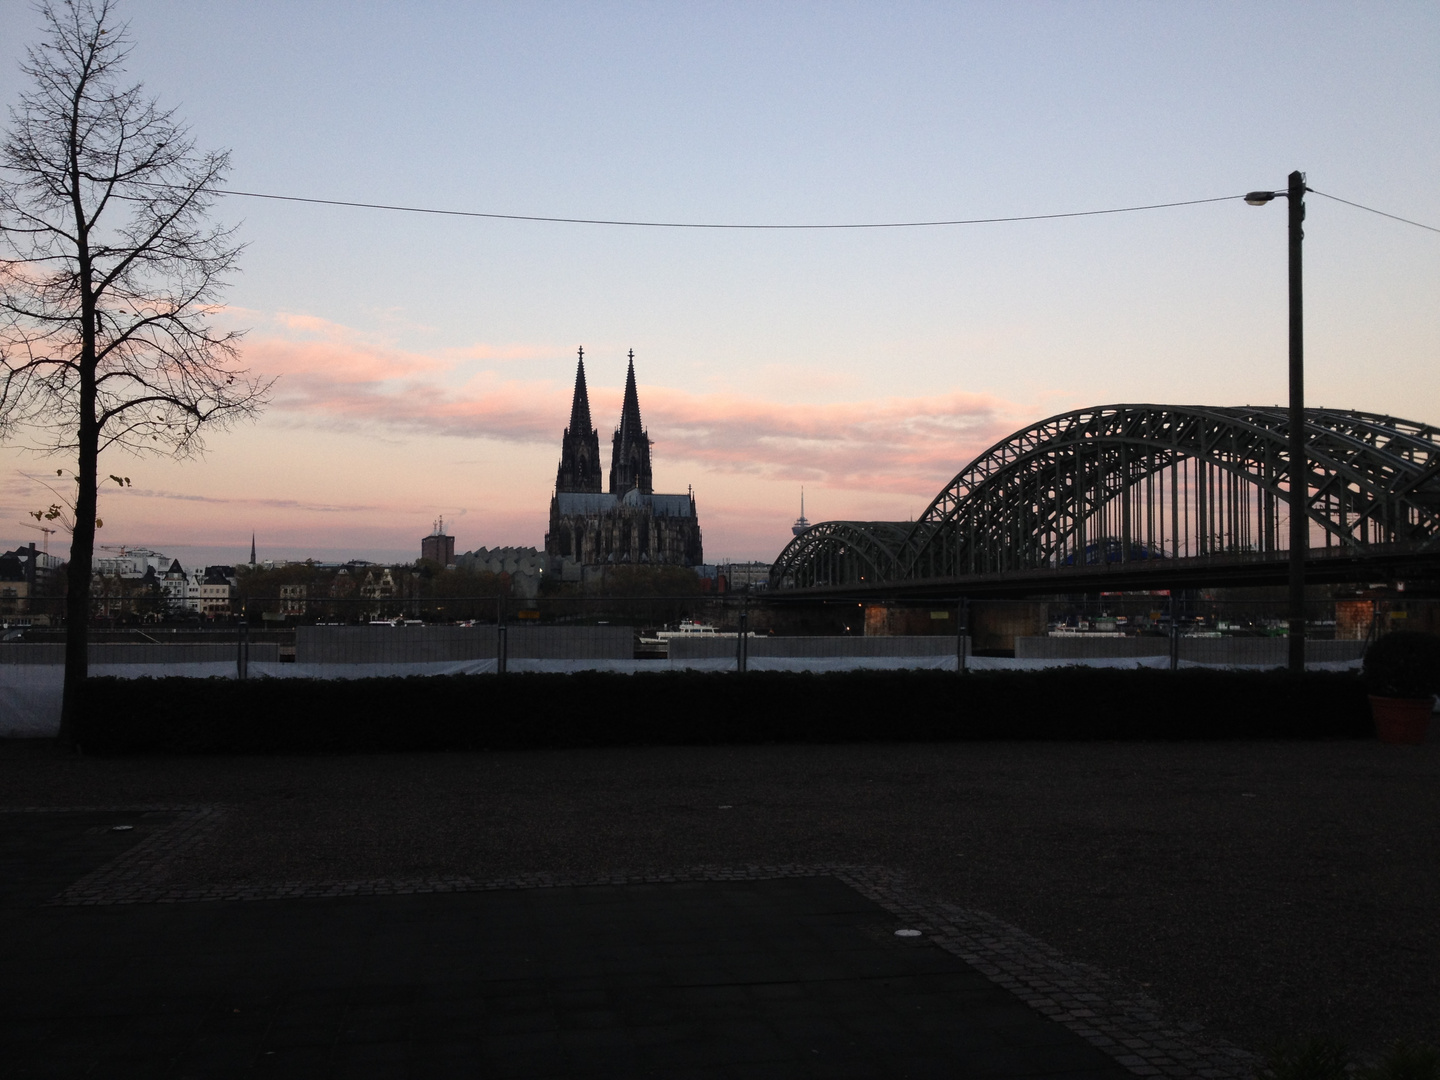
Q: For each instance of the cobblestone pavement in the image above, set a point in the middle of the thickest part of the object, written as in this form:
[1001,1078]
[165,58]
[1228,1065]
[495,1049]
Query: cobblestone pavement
[1083,999]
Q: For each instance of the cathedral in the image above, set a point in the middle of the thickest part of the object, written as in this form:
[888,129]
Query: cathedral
[627,524]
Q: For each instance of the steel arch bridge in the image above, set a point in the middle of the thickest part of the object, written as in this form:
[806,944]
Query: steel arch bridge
[1146,488]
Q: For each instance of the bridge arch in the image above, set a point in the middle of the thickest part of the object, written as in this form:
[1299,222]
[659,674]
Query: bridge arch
[1117,483]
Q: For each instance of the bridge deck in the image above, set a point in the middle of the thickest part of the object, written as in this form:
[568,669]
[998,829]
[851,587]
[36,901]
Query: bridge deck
[1334,566]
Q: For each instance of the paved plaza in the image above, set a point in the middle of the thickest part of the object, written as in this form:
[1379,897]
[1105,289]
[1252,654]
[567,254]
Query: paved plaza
[745,976]
[1070,910]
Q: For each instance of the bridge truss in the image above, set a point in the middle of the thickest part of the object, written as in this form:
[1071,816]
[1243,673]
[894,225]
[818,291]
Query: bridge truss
[1134,484]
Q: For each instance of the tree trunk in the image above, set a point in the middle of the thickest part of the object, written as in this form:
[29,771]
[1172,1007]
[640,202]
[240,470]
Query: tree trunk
[77,596]
[82,543]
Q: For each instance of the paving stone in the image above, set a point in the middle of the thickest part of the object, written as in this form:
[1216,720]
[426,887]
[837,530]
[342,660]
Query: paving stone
[770,937]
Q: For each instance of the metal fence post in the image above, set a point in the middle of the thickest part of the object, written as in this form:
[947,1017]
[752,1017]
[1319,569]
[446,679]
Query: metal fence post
[502,644]
[962,630]
[1174,635]
[242,651]
[740,643]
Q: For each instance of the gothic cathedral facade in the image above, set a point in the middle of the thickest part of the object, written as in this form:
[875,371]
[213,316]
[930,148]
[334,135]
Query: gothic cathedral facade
[630,523]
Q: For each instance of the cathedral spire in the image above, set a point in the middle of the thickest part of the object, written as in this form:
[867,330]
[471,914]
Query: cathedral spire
[580,446]
[630,450]
[630,411]
[580,404]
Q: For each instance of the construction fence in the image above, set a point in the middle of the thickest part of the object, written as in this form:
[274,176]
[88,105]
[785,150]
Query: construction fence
[1124,631]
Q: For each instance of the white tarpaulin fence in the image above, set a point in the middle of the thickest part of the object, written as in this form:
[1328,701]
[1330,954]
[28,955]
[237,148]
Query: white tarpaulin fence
[30,693]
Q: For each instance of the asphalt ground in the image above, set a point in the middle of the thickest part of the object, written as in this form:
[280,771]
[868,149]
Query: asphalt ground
[1261,889]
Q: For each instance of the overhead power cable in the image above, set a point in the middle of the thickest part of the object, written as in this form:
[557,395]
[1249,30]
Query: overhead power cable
[712,225]
[1382,213]
[781,227]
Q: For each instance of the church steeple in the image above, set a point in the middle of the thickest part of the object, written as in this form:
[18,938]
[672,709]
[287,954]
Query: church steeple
[580,447]
[630,411]
[630,450]
[580,405]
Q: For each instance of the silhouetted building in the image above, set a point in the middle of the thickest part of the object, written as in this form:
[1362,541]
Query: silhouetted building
[629,523]
[438,547]
[525,565]
[25,575]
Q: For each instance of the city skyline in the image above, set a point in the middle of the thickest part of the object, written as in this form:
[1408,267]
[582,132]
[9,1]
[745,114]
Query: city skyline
[425,363]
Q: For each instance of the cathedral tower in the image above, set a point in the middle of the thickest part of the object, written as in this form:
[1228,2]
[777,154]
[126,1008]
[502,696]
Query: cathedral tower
[630,451]
[580,447]
[591,530]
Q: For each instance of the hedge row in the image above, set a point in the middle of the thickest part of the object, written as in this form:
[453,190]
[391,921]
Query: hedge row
[529,711]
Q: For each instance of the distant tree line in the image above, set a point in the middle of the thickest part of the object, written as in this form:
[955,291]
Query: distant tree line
[425,590]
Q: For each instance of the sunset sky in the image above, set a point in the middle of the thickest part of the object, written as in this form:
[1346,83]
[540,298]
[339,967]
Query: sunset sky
[425,364]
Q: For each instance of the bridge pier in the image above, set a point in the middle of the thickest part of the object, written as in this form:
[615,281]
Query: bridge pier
[995,625]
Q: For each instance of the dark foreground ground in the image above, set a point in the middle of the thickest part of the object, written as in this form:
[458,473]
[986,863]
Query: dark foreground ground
[1262,889]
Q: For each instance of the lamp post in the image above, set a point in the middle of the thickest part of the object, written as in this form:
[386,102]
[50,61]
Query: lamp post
[1299,464]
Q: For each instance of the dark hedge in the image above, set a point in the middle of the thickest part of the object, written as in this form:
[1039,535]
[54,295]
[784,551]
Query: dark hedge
[529,711]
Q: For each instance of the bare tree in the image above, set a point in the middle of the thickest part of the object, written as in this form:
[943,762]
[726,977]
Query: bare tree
[110,273]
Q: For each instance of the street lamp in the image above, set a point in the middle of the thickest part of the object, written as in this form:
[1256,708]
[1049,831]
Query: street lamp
[1299,465]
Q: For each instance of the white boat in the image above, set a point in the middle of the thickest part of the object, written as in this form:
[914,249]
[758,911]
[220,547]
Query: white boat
[689,629]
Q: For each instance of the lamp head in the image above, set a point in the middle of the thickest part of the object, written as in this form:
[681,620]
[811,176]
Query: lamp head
[1259,198]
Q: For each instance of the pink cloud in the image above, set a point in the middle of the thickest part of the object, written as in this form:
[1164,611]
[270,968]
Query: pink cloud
[499,352]
[898,444]
[309,507]
[338,361]
[892,443]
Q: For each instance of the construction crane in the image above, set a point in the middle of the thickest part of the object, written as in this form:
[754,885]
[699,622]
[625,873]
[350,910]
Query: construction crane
[45,544]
